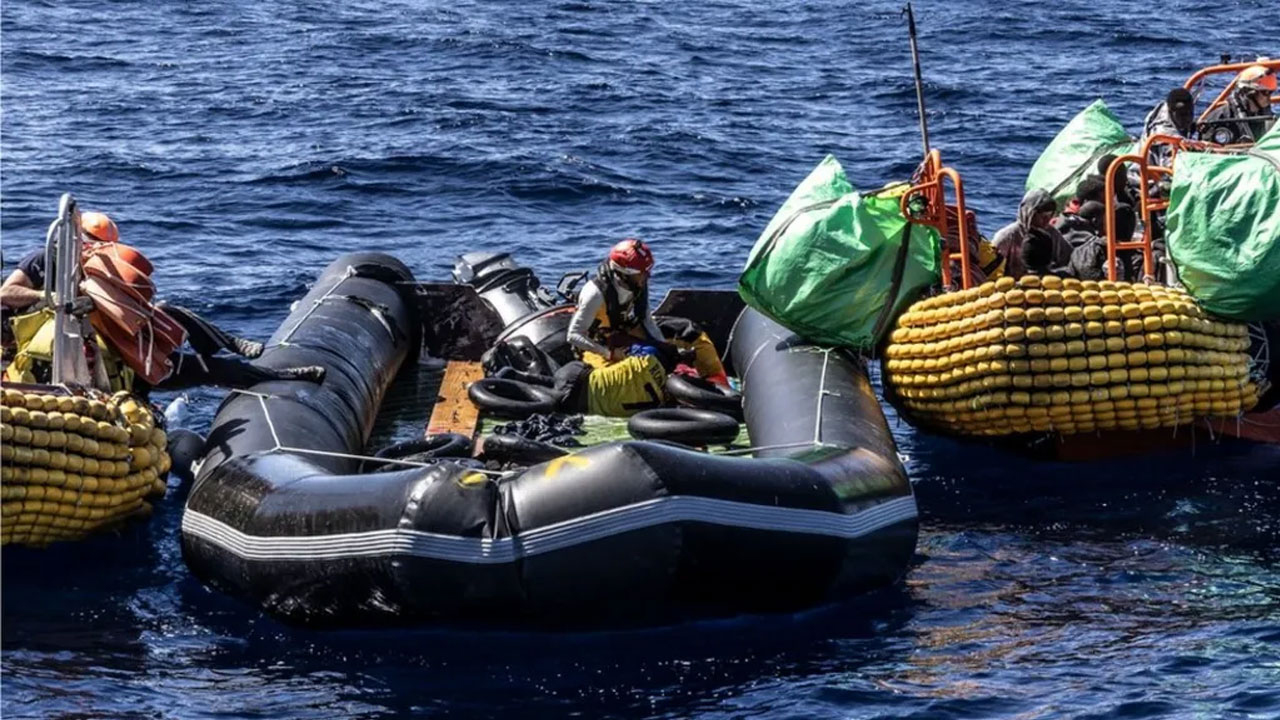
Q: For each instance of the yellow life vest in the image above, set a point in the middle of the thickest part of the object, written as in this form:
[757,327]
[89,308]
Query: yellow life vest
[34,336]
[626,387]
[990,260]
[705,360]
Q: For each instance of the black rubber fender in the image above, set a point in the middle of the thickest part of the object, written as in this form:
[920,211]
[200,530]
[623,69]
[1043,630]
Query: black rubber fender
[511,398]
[701,393]
[185,448]
[686,426]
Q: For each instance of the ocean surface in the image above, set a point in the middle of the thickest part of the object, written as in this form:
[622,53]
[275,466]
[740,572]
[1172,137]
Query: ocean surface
[244,145]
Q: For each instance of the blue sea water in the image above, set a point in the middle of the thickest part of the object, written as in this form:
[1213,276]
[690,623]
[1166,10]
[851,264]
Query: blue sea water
[243,145]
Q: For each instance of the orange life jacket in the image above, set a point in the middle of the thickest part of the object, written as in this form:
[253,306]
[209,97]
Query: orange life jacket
[118,280]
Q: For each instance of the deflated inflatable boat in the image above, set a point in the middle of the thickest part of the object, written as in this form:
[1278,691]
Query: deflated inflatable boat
[620,533]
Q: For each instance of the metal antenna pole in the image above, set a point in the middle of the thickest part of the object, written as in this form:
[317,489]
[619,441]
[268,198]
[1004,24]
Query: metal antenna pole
[915,58]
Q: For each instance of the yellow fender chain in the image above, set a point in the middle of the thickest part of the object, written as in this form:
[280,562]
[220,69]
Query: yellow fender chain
[1067,356]
[72,465]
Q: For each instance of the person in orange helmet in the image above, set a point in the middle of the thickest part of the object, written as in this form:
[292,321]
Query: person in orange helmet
[23,291]
[1246,115]
[25,286]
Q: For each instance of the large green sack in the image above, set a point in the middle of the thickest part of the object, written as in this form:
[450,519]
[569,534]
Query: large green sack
[824,266]
[1224,229]
[1074,152]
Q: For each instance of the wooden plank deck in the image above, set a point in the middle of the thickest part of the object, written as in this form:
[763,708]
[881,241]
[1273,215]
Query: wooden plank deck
[454,412]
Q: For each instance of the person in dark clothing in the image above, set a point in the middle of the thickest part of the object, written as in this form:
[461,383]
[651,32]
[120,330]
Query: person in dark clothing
[1176,117]
[1126,191]
[23,291]
[1035,215]
[1089,259]
[1075,229]
[1246,115]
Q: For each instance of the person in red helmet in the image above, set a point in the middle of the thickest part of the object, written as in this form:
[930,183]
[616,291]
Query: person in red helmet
[613,309]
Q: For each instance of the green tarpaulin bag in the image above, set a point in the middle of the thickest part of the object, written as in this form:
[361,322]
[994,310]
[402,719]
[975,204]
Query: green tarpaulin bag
[1223,229]
[824,266]
[1074,153]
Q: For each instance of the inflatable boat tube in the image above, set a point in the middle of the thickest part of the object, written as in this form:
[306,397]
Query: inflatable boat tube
[622,533]
[685,426]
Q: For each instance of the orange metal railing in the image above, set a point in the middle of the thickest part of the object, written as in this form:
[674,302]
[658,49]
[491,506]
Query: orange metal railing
[951,221]
[1147,174]
[1193,83]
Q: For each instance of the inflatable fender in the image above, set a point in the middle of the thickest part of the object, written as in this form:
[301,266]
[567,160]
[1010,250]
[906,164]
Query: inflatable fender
[185,448]
[685,426]
[511,398]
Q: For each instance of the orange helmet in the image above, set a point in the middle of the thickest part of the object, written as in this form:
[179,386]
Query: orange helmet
[98,227]
[1257,77]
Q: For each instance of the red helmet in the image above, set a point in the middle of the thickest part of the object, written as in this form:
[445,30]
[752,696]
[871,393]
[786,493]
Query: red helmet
[631,257]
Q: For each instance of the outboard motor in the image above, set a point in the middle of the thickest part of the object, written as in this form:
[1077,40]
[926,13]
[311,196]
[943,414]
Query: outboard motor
[528,310]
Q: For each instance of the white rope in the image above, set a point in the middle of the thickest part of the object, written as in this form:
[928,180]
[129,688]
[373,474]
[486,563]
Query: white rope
[822,392]
[279,446]
[781,446]
[315,305]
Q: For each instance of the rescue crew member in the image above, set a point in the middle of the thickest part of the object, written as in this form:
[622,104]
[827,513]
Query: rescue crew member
[613,314]
[1246,115]
[613,309]
[23,290]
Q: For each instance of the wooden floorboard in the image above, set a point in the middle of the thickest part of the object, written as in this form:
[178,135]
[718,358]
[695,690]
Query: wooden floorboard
[454,412]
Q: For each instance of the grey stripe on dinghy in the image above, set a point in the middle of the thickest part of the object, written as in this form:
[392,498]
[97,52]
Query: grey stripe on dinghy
[577,531]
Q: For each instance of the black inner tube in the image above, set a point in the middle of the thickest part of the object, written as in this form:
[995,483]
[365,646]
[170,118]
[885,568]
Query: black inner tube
[511,398]
[686,426]
[701,393]
[444,445]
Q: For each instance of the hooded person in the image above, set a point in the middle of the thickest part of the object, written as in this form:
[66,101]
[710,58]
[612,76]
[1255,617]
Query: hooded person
[1035,215]
[1246,115]
[1175,116]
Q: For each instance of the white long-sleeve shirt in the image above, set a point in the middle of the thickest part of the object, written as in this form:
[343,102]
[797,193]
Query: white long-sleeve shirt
[590,300]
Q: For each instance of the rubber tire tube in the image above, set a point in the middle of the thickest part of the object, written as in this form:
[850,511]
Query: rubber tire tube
[512,399]
[443,445]
[686,426]
[440,445]
[701,393]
